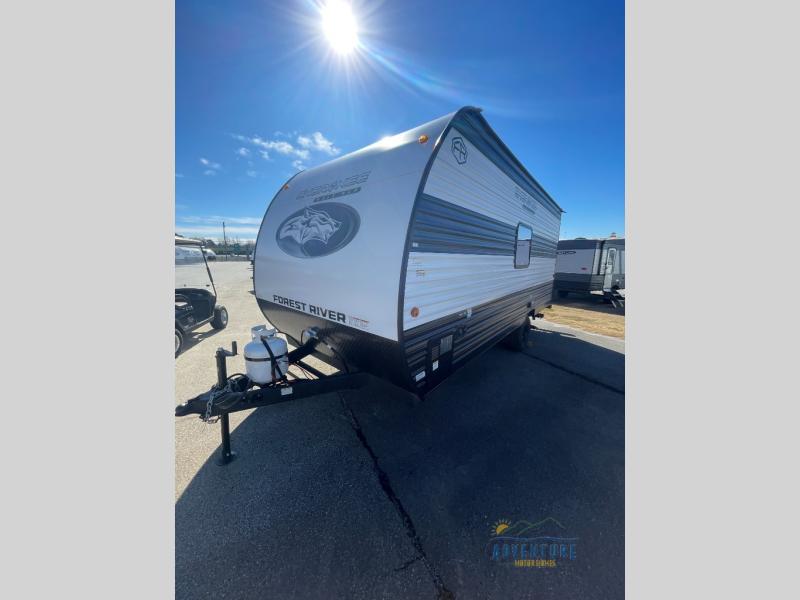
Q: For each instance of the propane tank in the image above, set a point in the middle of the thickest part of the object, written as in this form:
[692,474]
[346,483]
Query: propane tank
[260,366]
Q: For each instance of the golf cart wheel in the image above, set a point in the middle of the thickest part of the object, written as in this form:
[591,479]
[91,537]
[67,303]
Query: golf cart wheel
[178,341]
[562,293]
[220,320]
[519,339]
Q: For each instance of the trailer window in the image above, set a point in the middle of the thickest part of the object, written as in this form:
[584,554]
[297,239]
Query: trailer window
[522,254]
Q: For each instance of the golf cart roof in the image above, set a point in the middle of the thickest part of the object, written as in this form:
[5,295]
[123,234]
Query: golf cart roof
[184,241]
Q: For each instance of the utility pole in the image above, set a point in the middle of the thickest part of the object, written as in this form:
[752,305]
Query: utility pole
[225,240]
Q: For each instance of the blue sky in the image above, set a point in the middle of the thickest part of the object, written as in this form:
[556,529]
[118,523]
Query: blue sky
[259,93]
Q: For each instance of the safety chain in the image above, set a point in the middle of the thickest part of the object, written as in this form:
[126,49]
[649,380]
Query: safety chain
[209,406]
[213,395]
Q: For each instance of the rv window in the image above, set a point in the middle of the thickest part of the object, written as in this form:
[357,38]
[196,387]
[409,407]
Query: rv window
[522,255]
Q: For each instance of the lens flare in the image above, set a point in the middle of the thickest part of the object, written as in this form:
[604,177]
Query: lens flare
[339,26]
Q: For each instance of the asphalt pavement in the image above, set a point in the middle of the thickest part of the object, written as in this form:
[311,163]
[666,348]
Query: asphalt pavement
[372,493]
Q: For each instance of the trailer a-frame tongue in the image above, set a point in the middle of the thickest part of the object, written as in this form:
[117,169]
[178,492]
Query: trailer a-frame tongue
[238,392]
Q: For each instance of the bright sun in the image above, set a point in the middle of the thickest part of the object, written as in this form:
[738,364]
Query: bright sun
[339,26]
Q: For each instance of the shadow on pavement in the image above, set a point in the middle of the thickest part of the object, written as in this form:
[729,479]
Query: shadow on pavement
[572,354]
[373,494]
[299,513]
[193,338]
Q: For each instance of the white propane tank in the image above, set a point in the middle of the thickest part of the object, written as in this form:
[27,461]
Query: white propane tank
[257,360]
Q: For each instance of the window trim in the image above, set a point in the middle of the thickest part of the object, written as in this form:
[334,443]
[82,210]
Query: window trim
[517,241]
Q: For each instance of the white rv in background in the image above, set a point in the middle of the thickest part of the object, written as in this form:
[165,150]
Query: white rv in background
[410,256]
[590,265]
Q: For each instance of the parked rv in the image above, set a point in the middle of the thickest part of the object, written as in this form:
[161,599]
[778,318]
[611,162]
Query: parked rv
[412,255]
[590,265]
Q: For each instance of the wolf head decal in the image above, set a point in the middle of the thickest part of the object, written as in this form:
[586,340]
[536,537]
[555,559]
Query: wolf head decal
[318,230]
[311,225]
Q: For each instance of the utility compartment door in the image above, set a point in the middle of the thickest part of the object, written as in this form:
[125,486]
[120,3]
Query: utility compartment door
[440,359]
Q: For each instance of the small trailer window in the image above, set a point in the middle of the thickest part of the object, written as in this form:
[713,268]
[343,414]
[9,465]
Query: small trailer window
[522,255]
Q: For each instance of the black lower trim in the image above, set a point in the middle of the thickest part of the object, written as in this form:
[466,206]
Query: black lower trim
[341,346]
[488,324]
[437,348]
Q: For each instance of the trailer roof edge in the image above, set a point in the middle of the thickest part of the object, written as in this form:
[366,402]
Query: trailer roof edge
[184,241]
[496,138]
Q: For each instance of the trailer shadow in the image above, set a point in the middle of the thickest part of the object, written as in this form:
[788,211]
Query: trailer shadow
[372,493]
[573,355]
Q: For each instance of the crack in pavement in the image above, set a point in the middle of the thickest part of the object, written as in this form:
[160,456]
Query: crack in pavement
[576,374]
[408,563]
[442,593]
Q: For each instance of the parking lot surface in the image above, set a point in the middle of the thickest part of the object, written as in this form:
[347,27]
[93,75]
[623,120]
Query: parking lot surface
[372,493]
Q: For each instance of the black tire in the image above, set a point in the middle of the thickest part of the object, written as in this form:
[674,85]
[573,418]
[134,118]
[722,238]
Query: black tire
[519,339]
[220,320]
[562,293]
[178,341]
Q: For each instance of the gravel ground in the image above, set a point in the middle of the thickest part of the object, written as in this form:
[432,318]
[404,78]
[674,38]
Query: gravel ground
[588,313]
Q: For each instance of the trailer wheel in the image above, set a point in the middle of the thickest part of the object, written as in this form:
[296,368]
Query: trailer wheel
[178,341]
[220,320]
[519,339]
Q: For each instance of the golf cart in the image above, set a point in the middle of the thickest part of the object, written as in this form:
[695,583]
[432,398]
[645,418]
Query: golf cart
[195,294]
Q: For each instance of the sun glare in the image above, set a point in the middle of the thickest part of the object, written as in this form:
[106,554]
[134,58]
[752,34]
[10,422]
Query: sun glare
[339,26]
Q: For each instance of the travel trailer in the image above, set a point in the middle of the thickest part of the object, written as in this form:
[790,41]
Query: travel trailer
[590,265]
[404,260]
[410,256]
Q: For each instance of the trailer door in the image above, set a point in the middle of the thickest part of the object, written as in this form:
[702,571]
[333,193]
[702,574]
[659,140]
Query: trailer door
[611,259]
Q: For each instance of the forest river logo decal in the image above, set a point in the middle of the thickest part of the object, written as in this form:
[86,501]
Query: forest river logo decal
[318,231]
[459,150]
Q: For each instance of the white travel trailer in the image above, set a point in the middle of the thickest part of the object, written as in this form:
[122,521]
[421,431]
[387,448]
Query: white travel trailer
[590,265]
[410,256]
